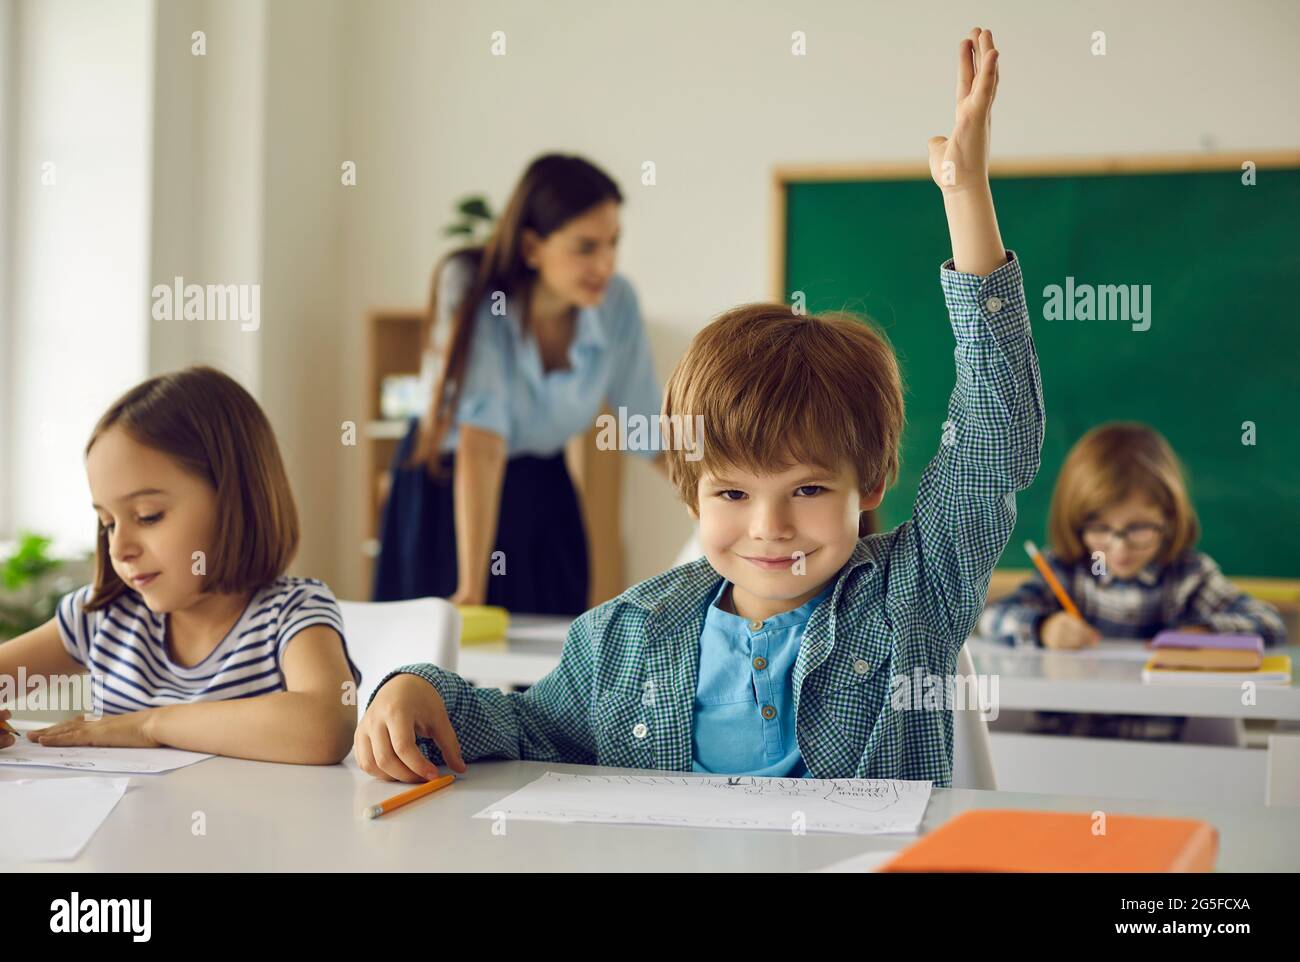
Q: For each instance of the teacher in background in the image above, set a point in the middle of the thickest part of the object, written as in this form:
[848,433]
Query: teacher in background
[541,332]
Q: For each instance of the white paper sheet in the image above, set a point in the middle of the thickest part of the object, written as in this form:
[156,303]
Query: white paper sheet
[127,761]
[48,819]
[843,805]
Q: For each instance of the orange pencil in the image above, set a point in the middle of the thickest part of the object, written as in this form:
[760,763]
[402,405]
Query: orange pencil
[410,795]
[1045,569]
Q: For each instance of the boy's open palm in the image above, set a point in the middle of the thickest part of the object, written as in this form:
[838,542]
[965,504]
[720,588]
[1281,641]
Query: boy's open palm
[962,160]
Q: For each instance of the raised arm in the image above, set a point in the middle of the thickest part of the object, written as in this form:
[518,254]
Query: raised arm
[993,433]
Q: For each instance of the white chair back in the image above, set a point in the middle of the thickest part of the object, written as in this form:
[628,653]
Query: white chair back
[972,754]
[389,634]
[1282,786]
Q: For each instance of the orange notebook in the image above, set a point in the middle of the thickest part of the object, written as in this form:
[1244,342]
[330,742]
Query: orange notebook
[993,840]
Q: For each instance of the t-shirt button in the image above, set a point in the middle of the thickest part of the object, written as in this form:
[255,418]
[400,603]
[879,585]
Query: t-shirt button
[769,712]
[760,663]
[640,730]
[861,666]
[993,304]
[755,625]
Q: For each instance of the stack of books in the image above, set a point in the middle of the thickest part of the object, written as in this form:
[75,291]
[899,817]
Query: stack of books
[1205,659]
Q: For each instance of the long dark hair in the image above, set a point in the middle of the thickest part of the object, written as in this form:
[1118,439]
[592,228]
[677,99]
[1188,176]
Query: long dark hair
[554,190]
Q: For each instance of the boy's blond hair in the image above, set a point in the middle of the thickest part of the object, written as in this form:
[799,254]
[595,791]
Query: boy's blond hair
[775,388]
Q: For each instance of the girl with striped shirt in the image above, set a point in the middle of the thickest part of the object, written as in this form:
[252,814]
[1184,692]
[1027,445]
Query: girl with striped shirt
[193,635]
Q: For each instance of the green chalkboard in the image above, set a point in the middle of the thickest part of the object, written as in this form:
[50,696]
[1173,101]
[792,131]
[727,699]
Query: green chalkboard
[1222,261]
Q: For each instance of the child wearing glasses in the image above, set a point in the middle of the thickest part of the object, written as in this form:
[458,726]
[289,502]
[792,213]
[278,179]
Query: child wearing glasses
[1122,534]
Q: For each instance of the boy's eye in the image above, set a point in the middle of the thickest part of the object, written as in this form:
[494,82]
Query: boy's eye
[725,495]
[812,490]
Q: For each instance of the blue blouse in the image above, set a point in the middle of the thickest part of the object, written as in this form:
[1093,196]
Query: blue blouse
[744,698]
[507,392]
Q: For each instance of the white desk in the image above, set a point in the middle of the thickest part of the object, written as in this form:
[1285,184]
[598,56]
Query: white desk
[266,817]
[1086,681]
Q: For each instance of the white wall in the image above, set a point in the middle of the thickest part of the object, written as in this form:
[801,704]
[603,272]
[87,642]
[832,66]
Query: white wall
[207,201]
[711,93]
[78,256]
[8,11]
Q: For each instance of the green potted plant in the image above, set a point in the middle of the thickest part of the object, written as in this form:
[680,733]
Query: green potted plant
[28,593]
[475,220]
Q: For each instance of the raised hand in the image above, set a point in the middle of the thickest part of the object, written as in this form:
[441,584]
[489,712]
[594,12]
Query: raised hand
[961,161]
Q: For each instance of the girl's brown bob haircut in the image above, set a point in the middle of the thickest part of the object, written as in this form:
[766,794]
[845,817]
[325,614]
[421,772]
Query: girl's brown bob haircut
[1105,467]
[214,429]
[776,388]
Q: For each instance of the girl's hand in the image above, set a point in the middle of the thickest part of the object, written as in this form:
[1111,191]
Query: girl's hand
[132,730]
[406,706]
[6,739]
[1063,630]
[961,161]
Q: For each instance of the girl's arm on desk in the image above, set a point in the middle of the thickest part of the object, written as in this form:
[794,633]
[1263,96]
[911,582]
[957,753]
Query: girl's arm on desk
[310,723]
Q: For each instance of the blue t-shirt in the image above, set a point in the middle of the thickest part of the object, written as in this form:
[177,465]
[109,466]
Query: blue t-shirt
[744,698]
[507,391]
[124,646]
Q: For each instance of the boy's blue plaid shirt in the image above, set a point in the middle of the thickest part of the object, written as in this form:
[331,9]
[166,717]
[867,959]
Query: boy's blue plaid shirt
[623,693]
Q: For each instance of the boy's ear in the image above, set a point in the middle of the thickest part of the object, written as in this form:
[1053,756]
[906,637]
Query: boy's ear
[871,499]
[693,511]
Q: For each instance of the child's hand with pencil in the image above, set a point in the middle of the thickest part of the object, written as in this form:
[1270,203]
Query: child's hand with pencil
[385,746]
[1064,629]
[7,734]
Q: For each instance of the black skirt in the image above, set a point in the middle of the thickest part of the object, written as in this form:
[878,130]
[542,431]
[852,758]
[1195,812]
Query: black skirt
[542,565]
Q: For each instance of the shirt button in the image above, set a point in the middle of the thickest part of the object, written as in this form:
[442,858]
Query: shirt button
[760,663]
[755,625]
[769,712]
[640,730]
[993,304]
[861,666]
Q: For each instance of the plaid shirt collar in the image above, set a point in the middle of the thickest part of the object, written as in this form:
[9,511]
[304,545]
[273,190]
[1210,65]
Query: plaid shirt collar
[678,601]
[1149,576]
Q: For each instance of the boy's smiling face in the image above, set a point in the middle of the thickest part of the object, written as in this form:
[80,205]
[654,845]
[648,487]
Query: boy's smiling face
[779,538]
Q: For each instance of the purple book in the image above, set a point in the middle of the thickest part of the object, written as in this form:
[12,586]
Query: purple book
[1196,639]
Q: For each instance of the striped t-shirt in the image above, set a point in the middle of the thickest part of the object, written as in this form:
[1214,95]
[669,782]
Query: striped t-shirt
[123,646]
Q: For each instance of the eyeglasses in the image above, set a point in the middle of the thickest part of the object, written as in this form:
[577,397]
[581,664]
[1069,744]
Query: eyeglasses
[1139,536]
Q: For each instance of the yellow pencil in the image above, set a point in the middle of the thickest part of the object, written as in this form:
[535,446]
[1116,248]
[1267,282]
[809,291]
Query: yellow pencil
[403,798]
[1045,569]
